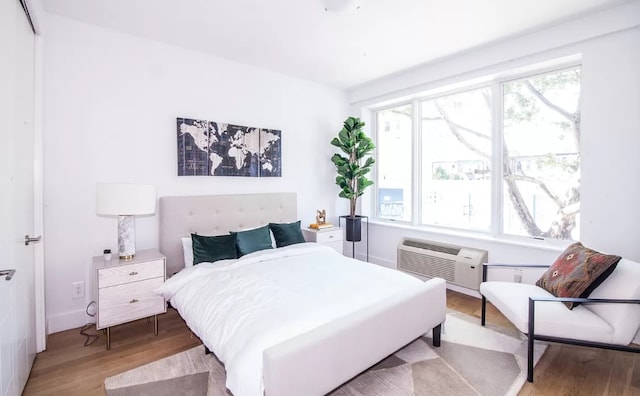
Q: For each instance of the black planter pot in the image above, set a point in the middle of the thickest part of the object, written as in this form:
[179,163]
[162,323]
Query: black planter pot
[354,228]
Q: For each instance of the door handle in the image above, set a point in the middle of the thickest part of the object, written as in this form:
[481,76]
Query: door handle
[8,273]
[28,239]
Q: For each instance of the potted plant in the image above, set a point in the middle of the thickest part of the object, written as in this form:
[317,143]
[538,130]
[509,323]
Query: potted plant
[351,178]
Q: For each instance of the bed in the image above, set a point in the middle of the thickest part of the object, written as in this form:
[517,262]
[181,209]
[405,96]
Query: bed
[316,319]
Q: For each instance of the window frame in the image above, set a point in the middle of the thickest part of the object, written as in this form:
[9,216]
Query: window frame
[376,173]
[495,83]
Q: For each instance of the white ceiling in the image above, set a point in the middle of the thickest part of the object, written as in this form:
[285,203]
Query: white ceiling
[299,38]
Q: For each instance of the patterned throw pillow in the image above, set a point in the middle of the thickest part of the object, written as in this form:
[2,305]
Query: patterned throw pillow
[577,272]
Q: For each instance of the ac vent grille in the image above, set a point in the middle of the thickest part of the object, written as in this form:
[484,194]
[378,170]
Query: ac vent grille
[436,266]
[458,265]
[428,246]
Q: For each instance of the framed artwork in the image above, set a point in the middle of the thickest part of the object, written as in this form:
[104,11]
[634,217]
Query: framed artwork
[208,148]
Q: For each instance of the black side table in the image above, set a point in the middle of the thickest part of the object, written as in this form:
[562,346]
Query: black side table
[353,243]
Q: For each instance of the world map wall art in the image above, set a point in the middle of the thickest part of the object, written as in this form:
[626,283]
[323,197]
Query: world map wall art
[207,148]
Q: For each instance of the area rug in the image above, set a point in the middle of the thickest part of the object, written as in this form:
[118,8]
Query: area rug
[472,360]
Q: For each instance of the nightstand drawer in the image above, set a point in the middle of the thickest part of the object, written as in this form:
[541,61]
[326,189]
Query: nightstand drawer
[335,245]
[129,301]
[329,236]
[118,275]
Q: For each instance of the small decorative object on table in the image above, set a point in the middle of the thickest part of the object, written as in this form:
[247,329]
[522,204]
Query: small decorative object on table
[321,221]
[107,254]
[317,226]
[321,217]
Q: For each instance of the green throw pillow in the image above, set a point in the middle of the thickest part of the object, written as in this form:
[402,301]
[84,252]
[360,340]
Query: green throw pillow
[287,233]
[252,240]
[207,249]
[577,272]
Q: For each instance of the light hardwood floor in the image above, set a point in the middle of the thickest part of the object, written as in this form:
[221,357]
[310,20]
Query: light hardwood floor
[69,368]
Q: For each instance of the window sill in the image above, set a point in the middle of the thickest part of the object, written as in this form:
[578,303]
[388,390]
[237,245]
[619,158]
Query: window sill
[544,244]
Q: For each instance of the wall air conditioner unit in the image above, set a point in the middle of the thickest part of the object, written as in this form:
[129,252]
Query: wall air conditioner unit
[459,265]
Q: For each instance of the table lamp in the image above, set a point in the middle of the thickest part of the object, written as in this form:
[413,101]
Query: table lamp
[125,201]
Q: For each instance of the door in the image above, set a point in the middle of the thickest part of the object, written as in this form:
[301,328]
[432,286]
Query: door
[17,298]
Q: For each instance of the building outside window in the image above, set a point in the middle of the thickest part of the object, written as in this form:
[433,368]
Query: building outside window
[438,166]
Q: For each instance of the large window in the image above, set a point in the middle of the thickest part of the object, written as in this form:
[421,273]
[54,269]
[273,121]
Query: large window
[500,158]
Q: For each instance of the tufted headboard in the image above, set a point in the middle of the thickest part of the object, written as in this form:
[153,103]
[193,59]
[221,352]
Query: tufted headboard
[216,215]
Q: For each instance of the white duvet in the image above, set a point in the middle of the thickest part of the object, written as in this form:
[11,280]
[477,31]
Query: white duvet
[241,307]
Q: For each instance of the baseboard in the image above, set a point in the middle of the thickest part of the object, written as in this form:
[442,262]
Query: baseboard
[377,260]
[464,290]
[67,320]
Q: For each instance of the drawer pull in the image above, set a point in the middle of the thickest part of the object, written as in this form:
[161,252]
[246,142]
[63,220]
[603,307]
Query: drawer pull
[135,300]
[330,236]
[133,273]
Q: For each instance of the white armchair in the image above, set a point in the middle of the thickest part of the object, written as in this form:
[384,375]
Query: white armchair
[609,318]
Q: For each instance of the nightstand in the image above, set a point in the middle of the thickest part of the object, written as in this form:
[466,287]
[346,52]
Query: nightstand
[331,237]
[124,291]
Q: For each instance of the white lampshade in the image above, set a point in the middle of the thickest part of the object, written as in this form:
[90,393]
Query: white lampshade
[125,199]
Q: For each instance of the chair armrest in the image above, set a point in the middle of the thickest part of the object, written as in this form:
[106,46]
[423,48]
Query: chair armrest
[584,300]
[485,267]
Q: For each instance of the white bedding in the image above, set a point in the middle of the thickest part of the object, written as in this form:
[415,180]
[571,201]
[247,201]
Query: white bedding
[241,307]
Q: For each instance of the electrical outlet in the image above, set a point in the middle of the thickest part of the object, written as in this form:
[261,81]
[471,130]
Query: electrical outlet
[77,290]
[517,276]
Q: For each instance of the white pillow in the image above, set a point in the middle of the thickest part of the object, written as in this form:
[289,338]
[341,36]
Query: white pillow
[187,251]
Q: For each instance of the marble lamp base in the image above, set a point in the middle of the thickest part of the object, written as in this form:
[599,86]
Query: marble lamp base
[126,237]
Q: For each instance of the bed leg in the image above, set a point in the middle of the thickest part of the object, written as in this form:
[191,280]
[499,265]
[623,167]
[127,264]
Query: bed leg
[206,350]
[436,335]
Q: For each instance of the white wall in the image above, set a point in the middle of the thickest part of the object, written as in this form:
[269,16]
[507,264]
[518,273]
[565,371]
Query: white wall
[610,190]
[111,102]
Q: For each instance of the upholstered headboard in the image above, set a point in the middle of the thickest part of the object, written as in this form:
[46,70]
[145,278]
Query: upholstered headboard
[216,215]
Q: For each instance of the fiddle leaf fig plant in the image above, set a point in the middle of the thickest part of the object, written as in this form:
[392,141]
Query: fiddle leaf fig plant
[353,167]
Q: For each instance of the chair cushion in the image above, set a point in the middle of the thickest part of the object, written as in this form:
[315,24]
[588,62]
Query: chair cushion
[551,318]
[623,283]
[577,272]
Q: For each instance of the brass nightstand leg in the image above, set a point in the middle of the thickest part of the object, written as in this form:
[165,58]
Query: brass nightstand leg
[108,338]
[155,324]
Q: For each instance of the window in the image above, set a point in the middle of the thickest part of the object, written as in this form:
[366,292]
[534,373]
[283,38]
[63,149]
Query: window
[500,158]
[541,181]
[394,142]
[456,160]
